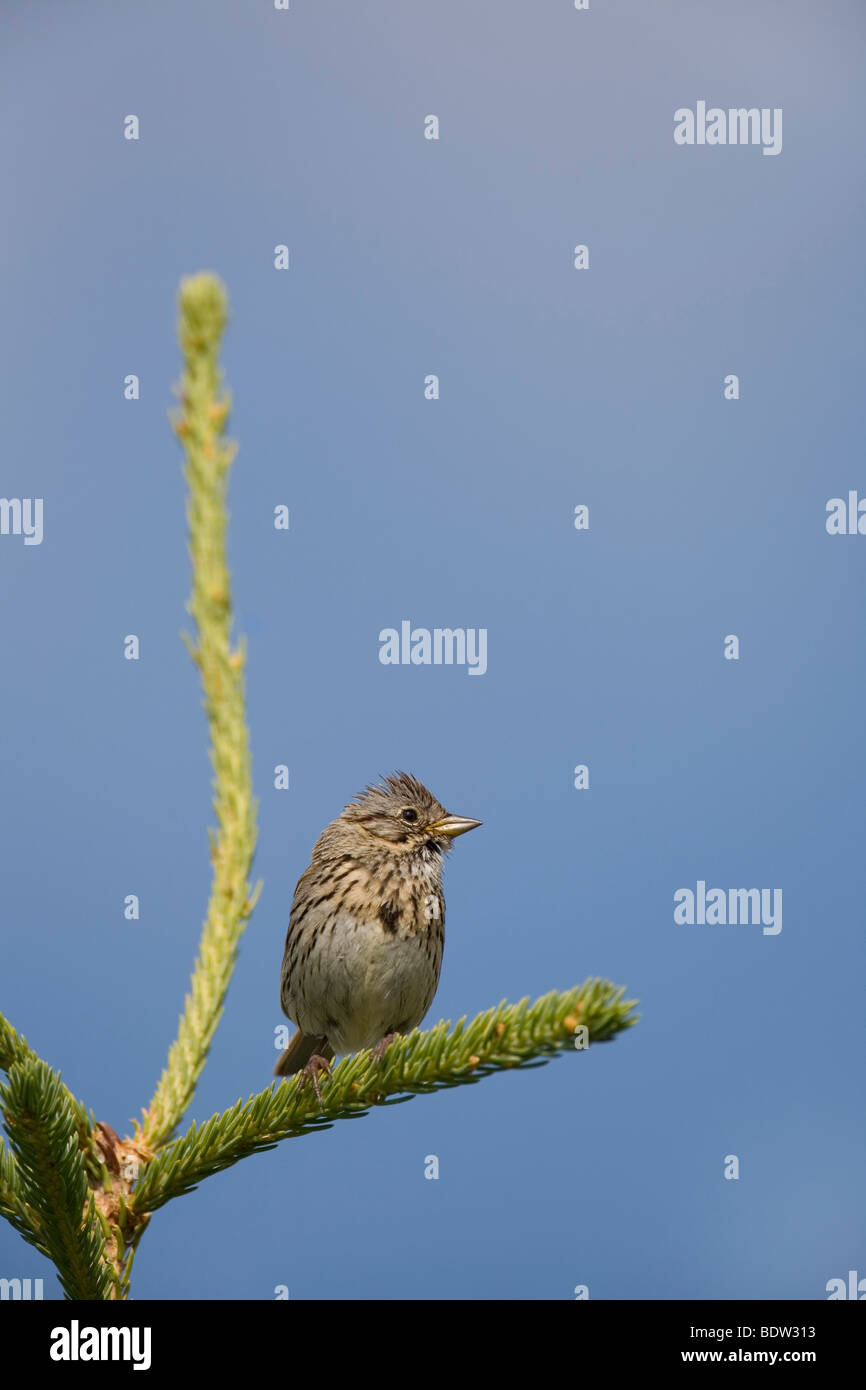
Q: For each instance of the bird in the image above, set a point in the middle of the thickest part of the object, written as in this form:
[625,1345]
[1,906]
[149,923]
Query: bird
[367,926]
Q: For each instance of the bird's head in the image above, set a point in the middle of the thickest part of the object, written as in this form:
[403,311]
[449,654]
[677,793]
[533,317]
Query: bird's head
[400,814]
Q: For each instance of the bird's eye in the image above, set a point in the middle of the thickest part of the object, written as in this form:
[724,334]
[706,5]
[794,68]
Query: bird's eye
[410,815]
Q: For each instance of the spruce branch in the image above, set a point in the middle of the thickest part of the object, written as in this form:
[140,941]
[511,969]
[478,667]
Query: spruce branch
[52,1180]
[13,1048]
[12,1204]
[200,425]
[507,1036]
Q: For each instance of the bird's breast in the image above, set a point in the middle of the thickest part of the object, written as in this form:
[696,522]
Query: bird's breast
[363,980]
[364,949]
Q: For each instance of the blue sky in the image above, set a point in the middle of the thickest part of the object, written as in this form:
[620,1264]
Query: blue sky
[558,387]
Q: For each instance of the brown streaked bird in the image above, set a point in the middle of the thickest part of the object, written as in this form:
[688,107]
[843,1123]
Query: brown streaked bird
[367,926]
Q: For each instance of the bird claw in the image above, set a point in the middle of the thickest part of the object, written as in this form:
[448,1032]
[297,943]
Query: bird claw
[315,1065]
[378,1052]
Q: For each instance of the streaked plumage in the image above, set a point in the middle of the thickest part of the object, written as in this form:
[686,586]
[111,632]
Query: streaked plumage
[367,925]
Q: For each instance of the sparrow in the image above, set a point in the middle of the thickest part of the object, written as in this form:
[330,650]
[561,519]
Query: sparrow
[367,926]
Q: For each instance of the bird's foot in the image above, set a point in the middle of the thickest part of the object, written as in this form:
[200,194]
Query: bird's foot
[378,1052]
[315,1065]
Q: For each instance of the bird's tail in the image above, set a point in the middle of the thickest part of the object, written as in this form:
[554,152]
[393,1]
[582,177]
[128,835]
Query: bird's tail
[299,1051]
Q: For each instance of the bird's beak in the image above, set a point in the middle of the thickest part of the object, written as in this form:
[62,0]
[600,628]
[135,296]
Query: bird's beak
[450,826]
